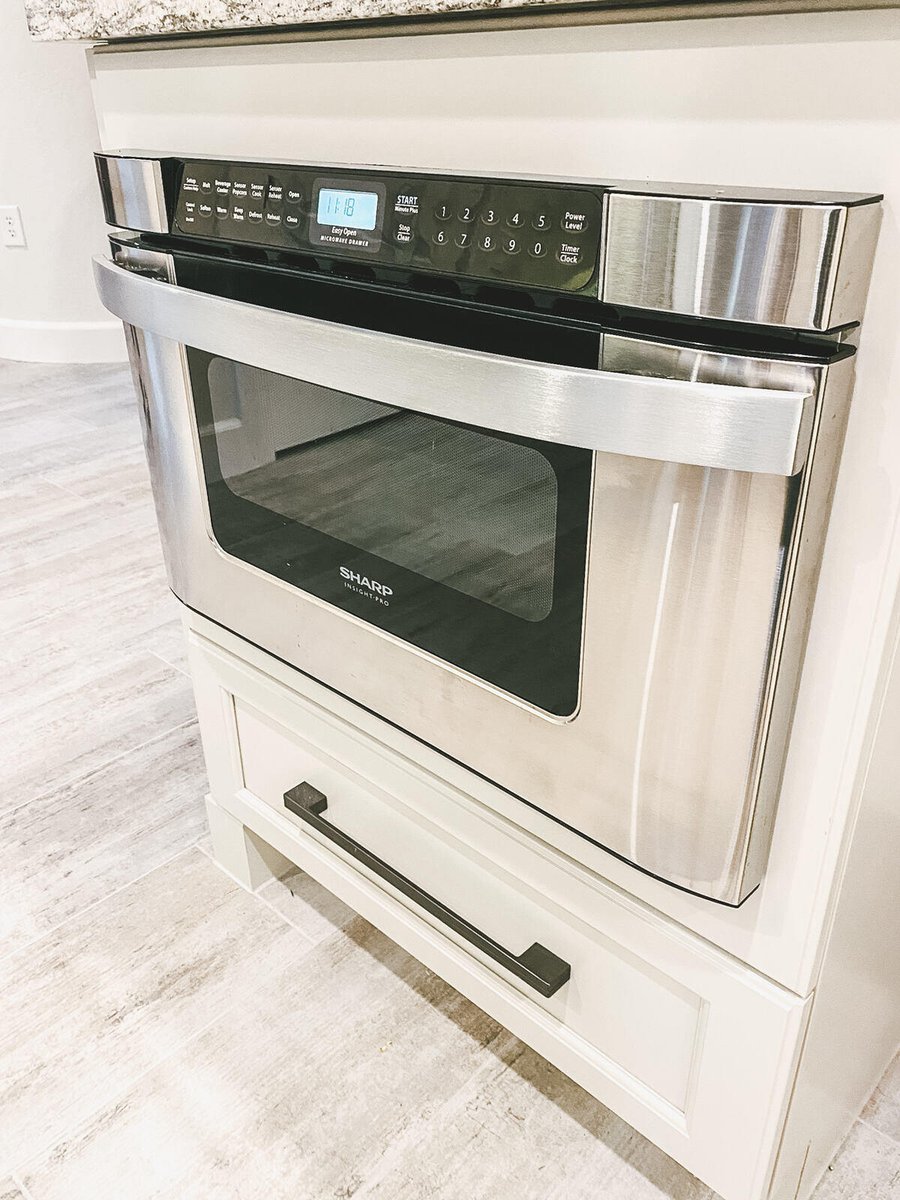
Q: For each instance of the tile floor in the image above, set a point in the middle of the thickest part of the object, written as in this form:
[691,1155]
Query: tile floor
[165,1034]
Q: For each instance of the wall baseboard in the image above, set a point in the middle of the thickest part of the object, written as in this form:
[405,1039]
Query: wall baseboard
[62,341]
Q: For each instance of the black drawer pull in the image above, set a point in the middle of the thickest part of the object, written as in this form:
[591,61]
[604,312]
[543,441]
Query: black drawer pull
[537,966]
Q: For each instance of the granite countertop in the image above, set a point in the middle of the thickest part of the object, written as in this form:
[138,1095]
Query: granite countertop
[59,20]
[95,20]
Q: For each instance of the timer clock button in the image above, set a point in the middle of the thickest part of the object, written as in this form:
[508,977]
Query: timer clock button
[488,241]
[441,238]
[442,212]
[569,254]
[489,216]
[537,249]
[541,221]
[512,245]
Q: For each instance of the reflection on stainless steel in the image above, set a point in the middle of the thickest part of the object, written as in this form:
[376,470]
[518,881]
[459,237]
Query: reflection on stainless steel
[132,191]
[707,424]
[687,591]
[800,265]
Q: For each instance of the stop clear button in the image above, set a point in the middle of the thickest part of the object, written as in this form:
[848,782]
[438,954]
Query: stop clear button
[569,254]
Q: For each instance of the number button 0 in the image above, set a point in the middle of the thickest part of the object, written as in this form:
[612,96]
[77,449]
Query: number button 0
[541,221]
[537,249]
[489,216]
[487,241]
[512,245]
[467,213]
[463,238]
[441,237]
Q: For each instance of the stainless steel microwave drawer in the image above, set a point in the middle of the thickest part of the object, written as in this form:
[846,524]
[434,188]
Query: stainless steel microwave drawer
[690,1047]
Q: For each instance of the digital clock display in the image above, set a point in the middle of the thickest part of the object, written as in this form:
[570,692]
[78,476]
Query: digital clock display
[357,210]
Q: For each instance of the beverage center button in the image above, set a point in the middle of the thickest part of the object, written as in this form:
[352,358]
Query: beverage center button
[223,187]
[574,222]
[293,195]
[443,212]
[569,254]
[541,221]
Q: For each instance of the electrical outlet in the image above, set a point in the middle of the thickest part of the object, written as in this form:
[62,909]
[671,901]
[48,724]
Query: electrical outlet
[11,232]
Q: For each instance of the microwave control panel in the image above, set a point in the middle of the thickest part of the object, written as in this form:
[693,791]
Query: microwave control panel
[527,234]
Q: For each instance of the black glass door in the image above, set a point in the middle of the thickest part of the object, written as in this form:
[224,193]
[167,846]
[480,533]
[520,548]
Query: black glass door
[467,543]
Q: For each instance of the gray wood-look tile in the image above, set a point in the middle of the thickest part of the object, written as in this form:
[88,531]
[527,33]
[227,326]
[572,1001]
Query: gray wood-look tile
[296,1092]
[867,1168]
[114,707]
[883,1110]
[84,840]
[107,996]
[316,912]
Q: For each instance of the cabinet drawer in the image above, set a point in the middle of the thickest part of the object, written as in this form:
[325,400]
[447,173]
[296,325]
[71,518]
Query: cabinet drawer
[689,1046]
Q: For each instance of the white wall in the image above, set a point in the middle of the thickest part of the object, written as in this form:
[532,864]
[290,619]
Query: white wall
[48,308]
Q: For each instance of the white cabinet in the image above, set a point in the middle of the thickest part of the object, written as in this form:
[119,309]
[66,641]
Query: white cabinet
[693,1048]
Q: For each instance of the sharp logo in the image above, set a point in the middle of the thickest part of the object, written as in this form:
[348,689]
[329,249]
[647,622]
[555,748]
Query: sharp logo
[366,587]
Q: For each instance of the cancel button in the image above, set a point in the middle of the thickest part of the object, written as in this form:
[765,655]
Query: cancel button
[569,254]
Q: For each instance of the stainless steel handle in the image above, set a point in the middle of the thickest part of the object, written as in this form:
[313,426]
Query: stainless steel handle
[537,966]
[704,424]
